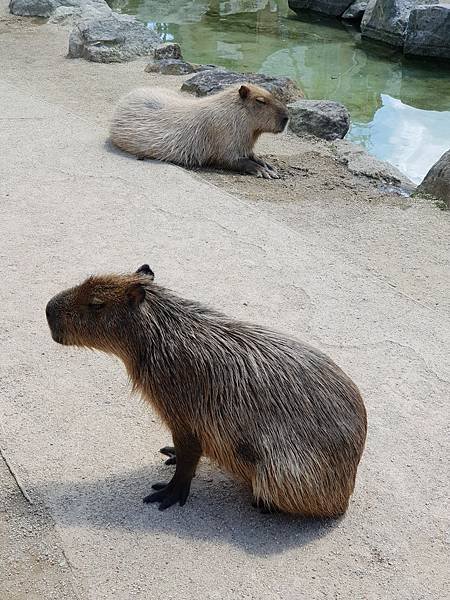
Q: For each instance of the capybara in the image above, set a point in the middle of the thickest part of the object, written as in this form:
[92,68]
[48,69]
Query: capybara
[219,130]
[276,413]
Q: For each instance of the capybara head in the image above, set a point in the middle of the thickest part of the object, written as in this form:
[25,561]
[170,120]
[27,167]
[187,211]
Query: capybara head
[268,114]
[96,313]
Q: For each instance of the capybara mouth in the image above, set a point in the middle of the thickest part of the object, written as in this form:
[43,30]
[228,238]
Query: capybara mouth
[283,123]
[58,338]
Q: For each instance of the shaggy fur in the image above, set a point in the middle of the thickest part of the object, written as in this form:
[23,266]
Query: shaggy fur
[274,412]
[219,130]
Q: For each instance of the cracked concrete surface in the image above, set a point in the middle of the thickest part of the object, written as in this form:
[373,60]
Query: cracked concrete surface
[367,284]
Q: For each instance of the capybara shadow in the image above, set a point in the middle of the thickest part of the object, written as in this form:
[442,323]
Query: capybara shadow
[218,510]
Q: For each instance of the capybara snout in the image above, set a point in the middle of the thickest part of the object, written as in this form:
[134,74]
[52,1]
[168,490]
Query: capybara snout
[284,118]
[51,312]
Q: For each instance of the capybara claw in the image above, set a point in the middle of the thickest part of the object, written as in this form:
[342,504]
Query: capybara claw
[169,495]
[263,172]
[170,452]
[159,486]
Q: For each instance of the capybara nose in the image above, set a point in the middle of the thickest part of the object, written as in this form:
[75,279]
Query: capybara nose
[52,314]
[49,312]
[284,122]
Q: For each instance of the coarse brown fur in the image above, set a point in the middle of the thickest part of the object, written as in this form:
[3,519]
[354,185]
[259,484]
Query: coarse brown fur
[274,412]
[219,130]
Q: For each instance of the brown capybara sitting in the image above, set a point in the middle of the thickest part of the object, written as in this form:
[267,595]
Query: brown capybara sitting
[276,413]
[219,130]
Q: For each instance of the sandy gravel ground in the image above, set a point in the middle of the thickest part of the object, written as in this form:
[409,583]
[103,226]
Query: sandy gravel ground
[361,273]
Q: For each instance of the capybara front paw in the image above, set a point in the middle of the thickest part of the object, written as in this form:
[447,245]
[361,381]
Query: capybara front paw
[266,171]
[169,494]
[170,452]
[271,171]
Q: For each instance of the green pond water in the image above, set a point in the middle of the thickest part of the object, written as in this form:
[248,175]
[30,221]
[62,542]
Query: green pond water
[400,107]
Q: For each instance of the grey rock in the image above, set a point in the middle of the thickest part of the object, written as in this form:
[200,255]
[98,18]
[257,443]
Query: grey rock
[71,15]
[66,15]
[111,38]
[387,20]
[360,162]
[437,181]
[216,80]
[168,50]
[334,8]
[355,11]
[33,8]
[171,66]
[428,32]
[322,118]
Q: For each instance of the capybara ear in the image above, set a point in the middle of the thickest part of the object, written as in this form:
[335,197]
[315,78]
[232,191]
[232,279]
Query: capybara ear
[136,294]
[244,91]
[145,270]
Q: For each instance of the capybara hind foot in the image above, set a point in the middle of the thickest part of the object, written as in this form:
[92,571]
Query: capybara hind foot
[265,508]
[170,452]
[168,494]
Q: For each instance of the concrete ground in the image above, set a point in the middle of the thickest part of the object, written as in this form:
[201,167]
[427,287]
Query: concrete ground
[367,283]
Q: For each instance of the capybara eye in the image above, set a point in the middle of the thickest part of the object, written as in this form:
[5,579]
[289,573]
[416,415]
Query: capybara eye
[260,100]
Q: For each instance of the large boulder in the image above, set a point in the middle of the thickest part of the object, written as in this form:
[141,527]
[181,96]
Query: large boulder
[111,38]
[46,8]
[355,11]
[69,16]
[215,80]
[428,31]
[387,20]
[321,118]
[334,8]
[437,181]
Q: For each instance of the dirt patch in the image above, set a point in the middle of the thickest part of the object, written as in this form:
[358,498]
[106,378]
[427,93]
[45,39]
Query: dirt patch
[308,175]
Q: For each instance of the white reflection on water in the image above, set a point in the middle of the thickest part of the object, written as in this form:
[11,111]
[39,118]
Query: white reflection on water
[409,138]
